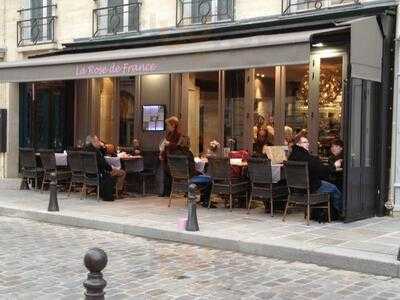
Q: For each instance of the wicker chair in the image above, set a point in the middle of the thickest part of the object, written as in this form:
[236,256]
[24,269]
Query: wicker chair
[179,168]
[262,187]
[223,183]
[30,169]
[48,159]
[132,167]
[150,163]
[91,172]
[298,184]
[75,163]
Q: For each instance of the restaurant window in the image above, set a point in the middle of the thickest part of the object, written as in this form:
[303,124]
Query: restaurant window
[296,99]
[264,108]
[37,21]
[191,12]
[203,120]
[116,16]
[234,109]
[127,110]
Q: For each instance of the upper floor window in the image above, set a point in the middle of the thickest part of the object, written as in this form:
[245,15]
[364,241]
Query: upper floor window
[37,21]
[296,6]
[190,12]
[114,17]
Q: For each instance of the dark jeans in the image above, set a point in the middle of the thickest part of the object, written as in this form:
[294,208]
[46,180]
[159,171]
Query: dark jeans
[336,195]
[204,183]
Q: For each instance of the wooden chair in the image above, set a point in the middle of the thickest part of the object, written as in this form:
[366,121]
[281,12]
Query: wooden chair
[179,168]
[30,169]
[48,159]
[298,184]
[223,183]
[75,164]
[262,187]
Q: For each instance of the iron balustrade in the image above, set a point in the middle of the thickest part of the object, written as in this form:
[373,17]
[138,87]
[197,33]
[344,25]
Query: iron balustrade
[297,6]
[193,12]
[36,25]
[116,19]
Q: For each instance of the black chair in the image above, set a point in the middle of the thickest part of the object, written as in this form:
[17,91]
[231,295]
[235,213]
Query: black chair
[132,166]
[262,186]
[48,159]
[298,183]
[150,163]
[223,183]
[30,169]
[75,163]
[179,168]
[91,172]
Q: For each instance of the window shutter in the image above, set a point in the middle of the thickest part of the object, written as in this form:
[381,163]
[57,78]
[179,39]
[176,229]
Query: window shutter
[36,20]
[195,18]
[225,9]
[134,16]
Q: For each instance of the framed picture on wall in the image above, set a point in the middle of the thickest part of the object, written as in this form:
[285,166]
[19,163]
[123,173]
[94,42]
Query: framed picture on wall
[153,117]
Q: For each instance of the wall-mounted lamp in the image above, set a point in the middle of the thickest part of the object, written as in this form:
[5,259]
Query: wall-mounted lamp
[318,45]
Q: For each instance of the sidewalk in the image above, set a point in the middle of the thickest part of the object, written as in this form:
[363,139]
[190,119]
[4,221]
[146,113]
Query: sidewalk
[368,246]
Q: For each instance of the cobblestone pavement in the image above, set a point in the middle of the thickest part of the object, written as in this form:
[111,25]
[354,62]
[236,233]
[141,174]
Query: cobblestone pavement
[43,261]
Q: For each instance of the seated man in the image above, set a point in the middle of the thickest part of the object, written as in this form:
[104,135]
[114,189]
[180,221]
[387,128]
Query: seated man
[203,182]
[336,163]
[300,152]
[93,144]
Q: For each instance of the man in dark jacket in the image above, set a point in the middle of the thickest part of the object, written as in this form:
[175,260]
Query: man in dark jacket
[316,172]
[203,182]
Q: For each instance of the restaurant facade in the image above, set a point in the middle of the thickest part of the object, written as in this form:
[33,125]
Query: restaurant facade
[324,66]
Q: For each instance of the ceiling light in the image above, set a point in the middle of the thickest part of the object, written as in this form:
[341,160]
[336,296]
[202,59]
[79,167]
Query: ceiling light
[257,74]
[262,75]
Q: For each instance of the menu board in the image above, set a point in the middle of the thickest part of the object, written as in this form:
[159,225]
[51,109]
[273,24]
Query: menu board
[153,117]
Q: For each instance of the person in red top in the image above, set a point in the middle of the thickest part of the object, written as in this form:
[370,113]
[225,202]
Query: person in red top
[168,145]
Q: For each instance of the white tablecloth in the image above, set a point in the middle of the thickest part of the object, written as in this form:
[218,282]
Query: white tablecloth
[276,172]
[114,162]
[199,164]
[61,159]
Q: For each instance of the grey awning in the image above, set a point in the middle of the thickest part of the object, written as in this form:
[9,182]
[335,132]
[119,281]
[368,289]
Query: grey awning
[256,51]
[366,49]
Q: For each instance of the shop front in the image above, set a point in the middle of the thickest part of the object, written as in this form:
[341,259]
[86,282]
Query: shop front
[331,81]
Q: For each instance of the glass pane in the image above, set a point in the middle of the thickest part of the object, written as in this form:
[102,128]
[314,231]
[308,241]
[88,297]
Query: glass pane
[127,110]
[355,124]
[234,109]
[296,100]
[264,104]
[115,16]
[330,103]
[203,119]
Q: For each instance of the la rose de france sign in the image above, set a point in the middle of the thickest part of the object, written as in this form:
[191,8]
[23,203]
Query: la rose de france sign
[111,69]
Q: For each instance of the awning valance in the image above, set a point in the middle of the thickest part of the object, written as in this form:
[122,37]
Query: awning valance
[240,53]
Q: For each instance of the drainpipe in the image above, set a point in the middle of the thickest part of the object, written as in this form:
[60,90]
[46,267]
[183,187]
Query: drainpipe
[394,186]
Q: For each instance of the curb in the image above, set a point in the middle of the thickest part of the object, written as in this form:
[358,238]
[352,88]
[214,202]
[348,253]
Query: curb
[350,260]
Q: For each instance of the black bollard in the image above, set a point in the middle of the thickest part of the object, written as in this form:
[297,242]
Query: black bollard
[53,203]
[192,224]
[95,261]
[398,255]
[24,184]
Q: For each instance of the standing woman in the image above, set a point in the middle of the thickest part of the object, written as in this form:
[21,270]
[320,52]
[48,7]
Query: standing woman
[167,146]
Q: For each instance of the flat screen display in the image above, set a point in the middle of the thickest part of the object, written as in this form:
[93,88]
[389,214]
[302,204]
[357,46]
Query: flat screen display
[153,117]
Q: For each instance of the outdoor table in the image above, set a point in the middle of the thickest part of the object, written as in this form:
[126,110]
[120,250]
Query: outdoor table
[275,168]
[61,159]
[200,164]
[114,162]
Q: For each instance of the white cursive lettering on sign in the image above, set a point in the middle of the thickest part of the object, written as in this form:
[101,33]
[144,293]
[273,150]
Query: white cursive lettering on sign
[114,69]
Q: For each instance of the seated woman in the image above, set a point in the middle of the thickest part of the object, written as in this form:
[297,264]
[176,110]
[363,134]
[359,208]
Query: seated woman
[203,182]
[300,152]
[137,150]
[263,139]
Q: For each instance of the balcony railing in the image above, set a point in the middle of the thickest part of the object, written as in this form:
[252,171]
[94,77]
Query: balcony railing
[36,25]
[298,6]
[116,19]
[192,12]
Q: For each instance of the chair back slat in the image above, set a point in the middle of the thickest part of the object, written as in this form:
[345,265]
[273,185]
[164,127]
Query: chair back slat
[297,175]
[75,161]
[219,168]
[90,163]
[260,170]
[48,159]
[28,158]
[150,160]
[133,165]
[179,167]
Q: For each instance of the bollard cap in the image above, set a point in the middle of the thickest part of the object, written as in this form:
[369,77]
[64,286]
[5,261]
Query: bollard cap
[95,260]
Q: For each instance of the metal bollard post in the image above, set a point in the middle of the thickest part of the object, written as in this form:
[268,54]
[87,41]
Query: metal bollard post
[192,224]
[53,203]
[24,184]
[95,261]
